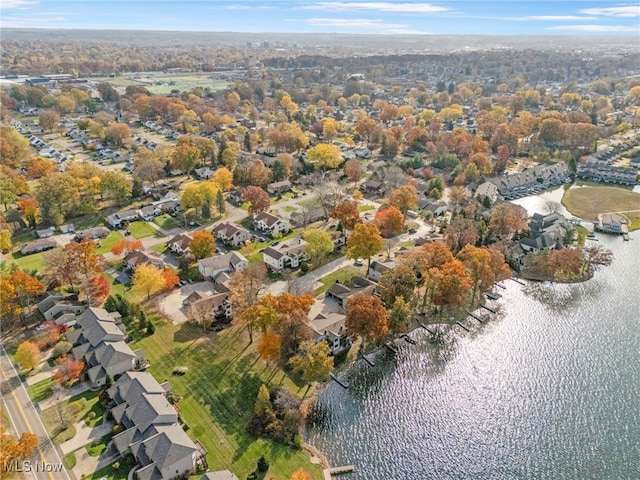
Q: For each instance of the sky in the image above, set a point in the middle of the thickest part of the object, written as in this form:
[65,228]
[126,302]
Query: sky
[388,17]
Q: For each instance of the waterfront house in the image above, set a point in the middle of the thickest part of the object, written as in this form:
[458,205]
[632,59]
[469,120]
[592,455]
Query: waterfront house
[611,223]
[547,232]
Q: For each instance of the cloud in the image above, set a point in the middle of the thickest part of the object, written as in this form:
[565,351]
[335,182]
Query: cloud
[595,28]
[352,23]
[236,7]
[405,31]
[622,11]
[555,18]
[24,21]
[19,4]
[381,7]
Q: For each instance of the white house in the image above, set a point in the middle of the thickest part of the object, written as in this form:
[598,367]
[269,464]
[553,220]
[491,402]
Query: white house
[228,262]
[116,219]
[272,224]
[286,255]
[179,244]
[231,234]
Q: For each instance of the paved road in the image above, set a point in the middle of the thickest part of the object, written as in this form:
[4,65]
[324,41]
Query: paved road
[24,418]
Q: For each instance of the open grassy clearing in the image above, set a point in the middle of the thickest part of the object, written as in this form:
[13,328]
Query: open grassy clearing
[41,390]
[165,222]
[588,202]
[365,208]
[72,411]
[35,261]
[160,247]
[218,394]
[106,243]
[344,276]
[141,229]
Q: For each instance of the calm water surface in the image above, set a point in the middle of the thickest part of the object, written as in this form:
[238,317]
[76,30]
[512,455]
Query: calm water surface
[549,388]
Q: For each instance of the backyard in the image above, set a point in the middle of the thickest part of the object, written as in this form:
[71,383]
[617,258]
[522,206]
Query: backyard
[218,395]
[588,202]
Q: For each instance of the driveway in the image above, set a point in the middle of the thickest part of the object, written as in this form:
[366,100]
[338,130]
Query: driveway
[171,304]
[85,435]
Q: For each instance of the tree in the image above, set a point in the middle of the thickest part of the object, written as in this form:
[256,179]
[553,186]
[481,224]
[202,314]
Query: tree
[477,262]
[185,158]
[399,281]
[269,348]
[5,240]
[364,242]
[68,371]
[258,199]
[148,166]
[365,128]
[399,315]
[125,246]
[223,178]
[203,245]
[147,279]
[324,155]
[313,362]
[259,315]
[14,449]
[389,221]
[14,148]
[353,170]
[38,167]
[319,244]
[366,316]
[292,324]
[170,278]
[97,290]
[245,285]
[300,474]
[596,255]
[84,256]
[404,198]
[507,220]
[117,133]
[453,285]
[59,267]
[28,355]
[501,270]
[27,289]
[461,231]
[48,120]
[347,214]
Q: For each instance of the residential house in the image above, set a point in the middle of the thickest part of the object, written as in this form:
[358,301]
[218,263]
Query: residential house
[306,216]
[46,232]
[279,187]
[231,234]
[119,219]
[139,257]
[217,306]
[339,239]
[373,187]
[532,180]
[61,309]
[546,232]
[271,224]
[611,223]
[487,190]
[99,340]
[132,385]
[204,173]
[149,212]
[341,293]
[287,254]
[179,244]
[376,269]
[92,233]
[36,246]
[228,262]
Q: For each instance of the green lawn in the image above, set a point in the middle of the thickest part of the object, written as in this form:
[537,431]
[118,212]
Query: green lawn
[41,390]
[141,229]
[290,208]
[588,202]
[87,221]
[160,247]
[35,261]
[252,250]
[166,222]
[218,395]
[344,275]
[407,243]
[72,410]
[98,446]
[106,243]
[365,208]
[111,473]
[69,460]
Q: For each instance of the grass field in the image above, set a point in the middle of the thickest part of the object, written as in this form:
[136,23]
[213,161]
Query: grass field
[163,84]
[160,247]
[588,202]
[141,229]
[344,275]
[106,243]
[218,394]
[35,261]
[165,222]
[365,208]
[41,390]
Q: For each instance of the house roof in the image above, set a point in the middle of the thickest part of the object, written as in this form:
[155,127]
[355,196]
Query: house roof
[182,240]
[267,218]
[168,446]
[137,257]
[223,262]
[148,408]
[131,385]
[109,354]
[229,229]
[211,301]
[40,244]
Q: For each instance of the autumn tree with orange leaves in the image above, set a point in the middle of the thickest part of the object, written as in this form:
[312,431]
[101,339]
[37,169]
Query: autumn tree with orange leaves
[126,246]
[404,198]
[364,242]
[258,199]
[389,221]
[366,316]
[269,347]
[14,449]
[347,214]
[68,371]
[27,355]
[97,290]
[170,278]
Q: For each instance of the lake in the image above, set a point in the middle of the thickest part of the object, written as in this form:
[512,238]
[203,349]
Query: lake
[547,388]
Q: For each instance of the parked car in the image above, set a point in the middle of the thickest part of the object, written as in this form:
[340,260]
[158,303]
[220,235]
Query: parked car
[412,230]
[40,327]
[273,244]
[359,262]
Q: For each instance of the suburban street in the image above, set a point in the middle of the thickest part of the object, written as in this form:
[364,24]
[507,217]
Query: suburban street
[45,463]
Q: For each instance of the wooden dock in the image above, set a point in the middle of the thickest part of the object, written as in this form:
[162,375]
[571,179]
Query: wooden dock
[371,363]
[338,381]
[475,317]
[462,326]
[487,308]
[341,470]
[514,279]
[501,286]
[392,349]
[408,339]
[426,328]
[493,296]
